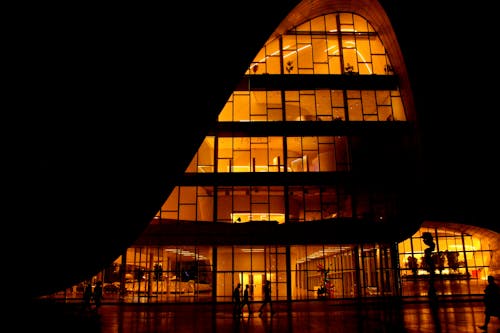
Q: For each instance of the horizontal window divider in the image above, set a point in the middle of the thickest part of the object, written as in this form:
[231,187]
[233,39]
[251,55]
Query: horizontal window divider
[317,81]
[312,128]
[343,178]
[339,231]
[263,178]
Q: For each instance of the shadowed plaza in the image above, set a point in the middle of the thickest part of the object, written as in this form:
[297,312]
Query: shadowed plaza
[455,314]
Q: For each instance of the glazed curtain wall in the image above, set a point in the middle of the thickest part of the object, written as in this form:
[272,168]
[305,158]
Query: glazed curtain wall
[298,203]
[267,154]
[314,105]
[457,255]
[342,44]
[329,44]
[238,204]
[335,44]
[323,154]
[206,274]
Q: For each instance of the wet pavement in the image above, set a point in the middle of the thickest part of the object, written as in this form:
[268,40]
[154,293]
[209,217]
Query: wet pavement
[462,314]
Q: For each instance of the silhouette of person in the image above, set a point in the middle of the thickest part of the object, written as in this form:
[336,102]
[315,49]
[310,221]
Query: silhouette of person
[246,300]
[267,298]
[429,261]
[491,301]
[98,296]
[413,265]
[237,301]
[87,296]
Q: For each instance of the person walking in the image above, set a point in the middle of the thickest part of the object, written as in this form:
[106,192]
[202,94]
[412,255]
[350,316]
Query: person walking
[98,295]
[87,296]
[246,300]
[491,302]
[267,298]
[237,302]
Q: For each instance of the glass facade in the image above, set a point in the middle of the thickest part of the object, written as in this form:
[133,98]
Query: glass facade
[461,261]
[315,133]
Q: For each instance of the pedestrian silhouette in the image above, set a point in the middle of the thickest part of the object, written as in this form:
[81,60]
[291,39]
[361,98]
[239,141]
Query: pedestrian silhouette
[237,302]
[267,298]
[413,265]
[491,302]
[98,295]
[246,300]
[87,296]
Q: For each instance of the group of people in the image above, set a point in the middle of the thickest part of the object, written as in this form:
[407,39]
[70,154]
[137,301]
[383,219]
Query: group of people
[90,295]
[239,304]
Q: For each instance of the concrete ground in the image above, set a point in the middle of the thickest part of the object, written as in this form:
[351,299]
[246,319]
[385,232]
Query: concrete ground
[411,315]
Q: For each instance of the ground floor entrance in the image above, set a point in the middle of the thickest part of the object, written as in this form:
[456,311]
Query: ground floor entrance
[178,274]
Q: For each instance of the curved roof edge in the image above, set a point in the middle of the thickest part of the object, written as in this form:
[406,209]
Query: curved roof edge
[371,10]
[490,237]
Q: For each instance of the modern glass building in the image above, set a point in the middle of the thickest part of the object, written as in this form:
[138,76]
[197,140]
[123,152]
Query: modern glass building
[308,180]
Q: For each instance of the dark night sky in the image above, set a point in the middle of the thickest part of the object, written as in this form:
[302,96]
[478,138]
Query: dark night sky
[448,48]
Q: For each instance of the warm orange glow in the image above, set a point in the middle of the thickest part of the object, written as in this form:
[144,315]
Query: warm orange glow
[247,217]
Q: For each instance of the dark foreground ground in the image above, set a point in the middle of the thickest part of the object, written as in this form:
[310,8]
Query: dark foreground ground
[384,315]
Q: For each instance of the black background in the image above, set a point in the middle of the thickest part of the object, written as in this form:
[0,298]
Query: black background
[447,48]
